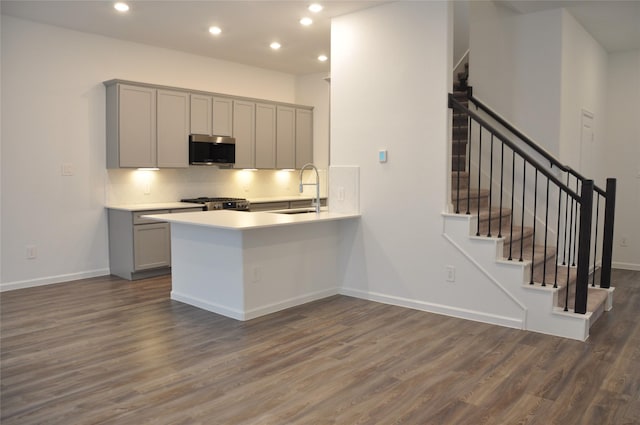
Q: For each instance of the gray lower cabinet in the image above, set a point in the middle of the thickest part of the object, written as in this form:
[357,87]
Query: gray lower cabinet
[138,247]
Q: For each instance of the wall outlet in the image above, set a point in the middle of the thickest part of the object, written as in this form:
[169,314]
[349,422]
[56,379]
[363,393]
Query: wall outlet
[147,188]
[451,273]
[341,193]
[67,169]
[32,252]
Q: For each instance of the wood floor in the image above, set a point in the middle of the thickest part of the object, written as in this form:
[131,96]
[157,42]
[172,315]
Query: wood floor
[108,351]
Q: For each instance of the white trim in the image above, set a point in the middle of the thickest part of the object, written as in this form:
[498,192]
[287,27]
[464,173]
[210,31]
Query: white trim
[49,280]
[461,313]
[256,312]
[208,306]
[625,266]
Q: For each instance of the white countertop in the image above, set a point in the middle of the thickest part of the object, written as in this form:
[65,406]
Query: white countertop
[153,206]
[242,220]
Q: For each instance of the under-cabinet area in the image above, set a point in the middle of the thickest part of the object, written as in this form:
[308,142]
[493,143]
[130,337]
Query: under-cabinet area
[139,247]
[148,126]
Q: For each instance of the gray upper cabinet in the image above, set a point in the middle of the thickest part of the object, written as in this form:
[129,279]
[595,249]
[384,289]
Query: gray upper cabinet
[265,135]
[201,114]
[146,127]
[286,137]
[304,137]
[222,116]
[149,126]
[131,126]
[173,121]
[244,133]
[211,115]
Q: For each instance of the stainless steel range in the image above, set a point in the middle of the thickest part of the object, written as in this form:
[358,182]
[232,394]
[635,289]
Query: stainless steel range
[210,204]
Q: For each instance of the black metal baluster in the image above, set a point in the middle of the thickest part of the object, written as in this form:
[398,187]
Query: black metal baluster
[469,167]
[566,217]
[479,175]
[524,185]
[513,196]
[490,185]
[575,226]
[546,232]
[595,242]
[456,146]
[555,277]
[535,205]
[566,300]
[501,189]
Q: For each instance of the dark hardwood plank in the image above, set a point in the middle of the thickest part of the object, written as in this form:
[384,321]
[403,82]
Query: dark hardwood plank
[109,351]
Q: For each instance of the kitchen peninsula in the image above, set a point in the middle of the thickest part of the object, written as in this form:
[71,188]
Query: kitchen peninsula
[248,264]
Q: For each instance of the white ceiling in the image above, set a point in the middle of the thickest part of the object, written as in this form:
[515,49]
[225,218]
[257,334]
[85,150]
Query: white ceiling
[614,23]
[250,26]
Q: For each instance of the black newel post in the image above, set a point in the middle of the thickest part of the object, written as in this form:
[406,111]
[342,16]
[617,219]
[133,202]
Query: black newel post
[584,245]
[607,239]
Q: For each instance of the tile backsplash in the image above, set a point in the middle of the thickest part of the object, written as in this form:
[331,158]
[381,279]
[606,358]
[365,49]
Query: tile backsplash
[124,186]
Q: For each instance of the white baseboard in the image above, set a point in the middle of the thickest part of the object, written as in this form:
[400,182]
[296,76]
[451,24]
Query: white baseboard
[49,280]
[256,312]
[477,316]
[625,266]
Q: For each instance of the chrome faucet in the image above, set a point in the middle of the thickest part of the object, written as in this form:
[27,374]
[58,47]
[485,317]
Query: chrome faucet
[317,185]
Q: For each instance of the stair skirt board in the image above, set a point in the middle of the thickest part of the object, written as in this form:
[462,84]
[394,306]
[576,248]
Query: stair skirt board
[539,311]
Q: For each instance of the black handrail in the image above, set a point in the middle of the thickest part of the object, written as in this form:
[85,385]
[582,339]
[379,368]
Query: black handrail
[453,103]
[549,157]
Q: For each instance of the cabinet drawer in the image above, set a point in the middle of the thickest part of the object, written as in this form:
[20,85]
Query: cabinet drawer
[137,216]
[268,206]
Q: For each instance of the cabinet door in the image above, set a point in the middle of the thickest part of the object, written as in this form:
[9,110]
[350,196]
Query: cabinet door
[304,137]
[136,126]
[173,129]
[201,114]
[265,136]
[222,116]
[244,133]
[151,246]
[285,138]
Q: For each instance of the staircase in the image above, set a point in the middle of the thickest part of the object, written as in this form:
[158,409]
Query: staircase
[546,274]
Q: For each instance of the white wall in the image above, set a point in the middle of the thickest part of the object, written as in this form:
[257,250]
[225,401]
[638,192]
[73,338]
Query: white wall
[391,71]
[622,153]
[53,112]
[584,85]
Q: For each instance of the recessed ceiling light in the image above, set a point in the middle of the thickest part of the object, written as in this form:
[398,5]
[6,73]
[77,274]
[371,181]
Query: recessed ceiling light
[215,30]
[315,7]
[121,7]
[275,45]
[306,21]
[322,58]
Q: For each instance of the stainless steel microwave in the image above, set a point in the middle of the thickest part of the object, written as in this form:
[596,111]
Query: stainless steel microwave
[211,150]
